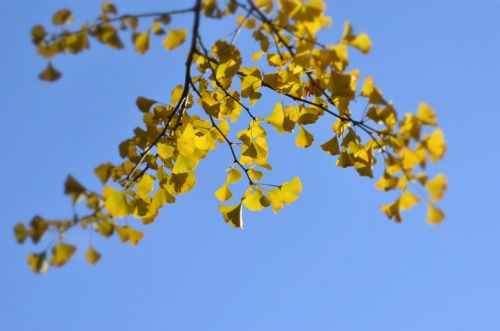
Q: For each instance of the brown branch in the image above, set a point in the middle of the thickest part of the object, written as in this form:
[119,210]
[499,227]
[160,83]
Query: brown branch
[179,107]
[229,142]
[218,83]
[100,21]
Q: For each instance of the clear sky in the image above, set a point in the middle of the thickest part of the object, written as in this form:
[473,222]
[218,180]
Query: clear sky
[330,261]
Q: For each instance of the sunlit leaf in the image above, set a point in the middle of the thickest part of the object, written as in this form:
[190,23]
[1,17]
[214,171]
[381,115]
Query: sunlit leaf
[115,201]
[304,138]
[232,215]
[142,42]
[174,38]
[437,187]
[434,214]
[61,253]
[50,73]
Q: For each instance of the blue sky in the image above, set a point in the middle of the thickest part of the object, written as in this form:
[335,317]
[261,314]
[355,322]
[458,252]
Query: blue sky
[330,261]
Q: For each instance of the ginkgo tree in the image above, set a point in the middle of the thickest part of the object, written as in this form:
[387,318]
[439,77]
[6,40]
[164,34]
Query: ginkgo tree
[309,79]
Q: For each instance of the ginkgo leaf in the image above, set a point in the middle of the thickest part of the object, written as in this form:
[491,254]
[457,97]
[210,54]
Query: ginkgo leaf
[370,91]
[254,200]
[387,182]
[434,214]
[142,42]
[362,42]
[180,183]
[126,233]
[255,174]
[426,114]
[135,236]
[391,210]
[92,256]
[165,151]
[145,186]
[115,202]
[109,7]
[74,189]
[50,73]
[61,253]
[156,28]
[174,38]
[278,119]
[38,33]
[436,187]
[38,263]
[407,200]
[331,146]
[20,232]
[232,215]
[103,172]
[144,104]
[185,141]
[62,16]
[436,145]
[304,138]
[223,193]
[276,198]
[233,176]
[290,190]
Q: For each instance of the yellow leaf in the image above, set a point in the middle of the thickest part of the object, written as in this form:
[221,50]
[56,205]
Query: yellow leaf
[38,33]
[233,176]
[106,228]
[184,164]
[407,200]
[278,119]
[436,187]
[135,236]
[276,198]
[290,190]
[20,232]
[304,139]
[62,16]
[223,193]
[126,233]
[370,91]
[426,114]
[156,28]
[50,74]
[180,183]
[92,256]
[362,42]
[115,202]
[434,214]
[232,215]
[144,104]
[38,263]
[386,182]
[74,189]
[145,186]
[255,174]
[109,7]
[61,253]
[254,200]
[436,145]
[344,160]
[391,210]
[185,141]
[142,42]
[165,151]
[343,85]
[251,83]
[174,38]
[331,146]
